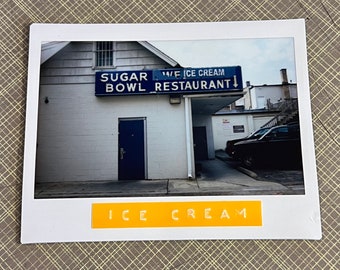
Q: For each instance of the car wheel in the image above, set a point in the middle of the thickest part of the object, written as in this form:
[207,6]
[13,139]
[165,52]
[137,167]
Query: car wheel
[249,161]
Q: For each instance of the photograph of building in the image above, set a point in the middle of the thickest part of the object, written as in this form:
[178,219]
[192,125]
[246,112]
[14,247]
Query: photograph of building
[116,111]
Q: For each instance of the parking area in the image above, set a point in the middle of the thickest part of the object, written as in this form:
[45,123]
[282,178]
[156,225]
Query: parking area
[289,177]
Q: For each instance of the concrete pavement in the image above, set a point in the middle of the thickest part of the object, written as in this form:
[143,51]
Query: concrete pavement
[215,178]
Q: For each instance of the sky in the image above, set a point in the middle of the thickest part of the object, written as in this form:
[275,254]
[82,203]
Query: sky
[260,59]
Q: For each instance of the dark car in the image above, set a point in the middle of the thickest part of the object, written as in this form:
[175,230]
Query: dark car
[279,146]
[229,149]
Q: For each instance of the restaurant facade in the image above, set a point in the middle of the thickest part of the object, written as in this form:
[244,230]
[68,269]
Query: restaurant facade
[125,111]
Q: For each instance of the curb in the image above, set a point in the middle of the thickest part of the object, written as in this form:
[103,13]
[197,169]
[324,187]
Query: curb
[247,172]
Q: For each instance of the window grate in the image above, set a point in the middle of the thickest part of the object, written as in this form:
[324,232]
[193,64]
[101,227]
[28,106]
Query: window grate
[104,54]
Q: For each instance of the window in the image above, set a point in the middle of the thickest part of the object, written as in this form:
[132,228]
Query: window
[278,133]
[282,132]
[104,54]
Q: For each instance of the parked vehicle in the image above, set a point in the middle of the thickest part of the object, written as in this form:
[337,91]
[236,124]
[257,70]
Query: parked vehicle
[279,146]
[229,149]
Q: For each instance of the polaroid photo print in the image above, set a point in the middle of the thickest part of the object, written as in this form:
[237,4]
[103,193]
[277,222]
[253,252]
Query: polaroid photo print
[169,132]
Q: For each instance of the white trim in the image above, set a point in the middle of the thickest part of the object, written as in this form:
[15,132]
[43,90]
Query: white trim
[48,49]
[188,137]
[224,94]
[158,53]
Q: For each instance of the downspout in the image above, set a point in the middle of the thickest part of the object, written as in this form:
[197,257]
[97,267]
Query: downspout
[188,131]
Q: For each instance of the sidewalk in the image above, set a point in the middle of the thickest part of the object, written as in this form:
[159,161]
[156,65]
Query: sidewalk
[216,178]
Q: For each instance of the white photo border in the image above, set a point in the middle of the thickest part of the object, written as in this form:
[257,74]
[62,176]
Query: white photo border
[69,220]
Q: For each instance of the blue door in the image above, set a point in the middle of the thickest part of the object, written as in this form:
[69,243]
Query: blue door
[131,149]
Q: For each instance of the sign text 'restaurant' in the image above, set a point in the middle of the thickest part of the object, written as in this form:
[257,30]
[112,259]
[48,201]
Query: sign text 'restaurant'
[169,81]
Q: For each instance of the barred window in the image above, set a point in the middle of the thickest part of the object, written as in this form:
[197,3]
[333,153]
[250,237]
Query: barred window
[104,54]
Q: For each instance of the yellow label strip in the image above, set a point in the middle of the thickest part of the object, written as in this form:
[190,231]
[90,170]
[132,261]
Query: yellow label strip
[176,214]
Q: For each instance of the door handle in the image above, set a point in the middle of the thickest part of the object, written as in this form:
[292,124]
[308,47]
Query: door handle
[122,152]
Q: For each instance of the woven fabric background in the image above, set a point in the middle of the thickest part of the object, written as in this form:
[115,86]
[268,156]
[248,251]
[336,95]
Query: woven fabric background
[322,21]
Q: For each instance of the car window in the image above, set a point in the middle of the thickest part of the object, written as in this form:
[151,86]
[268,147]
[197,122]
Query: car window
[294,132]
[278,133]
[282,132]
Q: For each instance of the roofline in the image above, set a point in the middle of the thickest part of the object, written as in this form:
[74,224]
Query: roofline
[159,53]
[46,54]
[49,49]
[279,84]
[246,112]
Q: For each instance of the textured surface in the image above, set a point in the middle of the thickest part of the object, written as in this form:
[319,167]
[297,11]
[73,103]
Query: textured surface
[322,18]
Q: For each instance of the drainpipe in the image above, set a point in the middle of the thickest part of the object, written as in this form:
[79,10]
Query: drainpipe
[188,131]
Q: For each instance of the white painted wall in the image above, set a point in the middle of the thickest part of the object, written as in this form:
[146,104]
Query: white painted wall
[78,132]
[259,121]
[293,91]
[223,129]
[223,126]
[78,135]
[274,93]
[74,63]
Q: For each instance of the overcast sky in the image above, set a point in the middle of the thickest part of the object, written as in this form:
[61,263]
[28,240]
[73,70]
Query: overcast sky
[260,59]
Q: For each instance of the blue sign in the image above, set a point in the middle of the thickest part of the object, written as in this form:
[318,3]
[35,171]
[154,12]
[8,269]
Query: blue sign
[169,81]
